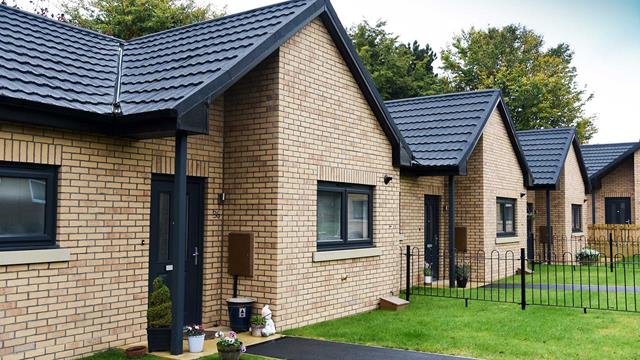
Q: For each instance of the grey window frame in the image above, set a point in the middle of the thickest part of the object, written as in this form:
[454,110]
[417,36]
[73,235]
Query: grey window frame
[501,201]
[344,243]
[578,208]
[47,240]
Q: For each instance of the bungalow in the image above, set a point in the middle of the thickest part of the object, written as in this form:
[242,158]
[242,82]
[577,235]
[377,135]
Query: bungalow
[468,181]
[123,161]
[556,201]
[614,170]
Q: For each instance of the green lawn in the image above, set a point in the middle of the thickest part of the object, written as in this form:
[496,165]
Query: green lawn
[115,354]
[490,330]
[626,273]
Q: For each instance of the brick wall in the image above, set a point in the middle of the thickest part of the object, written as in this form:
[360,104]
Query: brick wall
[502,177]
[621,182]
[328,132]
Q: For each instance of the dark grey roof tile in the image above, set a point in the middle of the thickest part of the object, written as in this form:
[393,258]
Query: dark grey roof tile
[597,157]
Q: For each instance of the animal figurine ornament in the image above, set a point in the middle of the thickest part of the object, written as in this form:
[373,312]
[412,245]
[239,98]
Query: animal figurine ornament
[269,326]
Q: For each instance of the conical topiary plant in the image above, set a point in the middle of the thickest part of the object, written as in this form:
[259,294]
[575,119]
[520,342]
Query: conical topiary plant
[159,311]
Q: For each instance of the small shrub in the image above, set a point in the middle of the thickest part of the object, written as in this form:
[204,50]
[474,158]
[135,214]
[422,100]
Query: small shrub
[159,311]
[258,320]
[587,255]
[462,272]
[428,270]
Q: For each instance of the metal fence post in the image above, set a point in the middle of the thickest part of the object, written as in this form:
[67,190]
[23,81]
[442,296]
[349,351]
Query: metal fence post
[523,280]
[611,251]
[408,275]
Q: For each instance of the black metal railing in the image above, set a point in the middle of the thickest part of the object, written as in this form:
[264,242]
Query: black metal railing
[580,279]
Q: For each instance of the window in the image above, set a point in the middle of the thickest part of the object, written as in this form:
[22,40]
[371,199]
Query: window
[505,217]
[27,206]
[576,218]
[344,216]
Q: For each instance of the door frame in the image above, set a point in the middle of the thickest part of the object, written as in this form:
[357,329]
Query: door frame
[435,250]
[195,303]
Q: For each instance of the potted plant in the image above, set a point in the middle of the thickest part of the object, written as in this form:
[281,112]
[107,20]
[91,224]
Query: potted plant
[159,317]
[462,275]
[428,273]
[195,334]
[229,347]
[587,256]
[257,324]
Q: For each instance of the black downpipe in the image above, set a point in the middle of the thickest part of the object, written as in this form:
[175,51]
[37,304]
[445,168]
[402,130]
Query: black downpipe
[452,232]
[593,207]
[549,232]
[179,246]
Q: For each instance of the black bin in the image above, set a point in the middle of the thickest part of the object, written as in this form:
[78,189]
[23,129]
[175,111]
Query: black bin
[240,313]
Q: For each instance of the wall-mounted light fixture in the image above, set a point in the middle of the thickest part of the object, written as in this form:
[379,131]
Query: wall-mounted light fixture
[586,199]
[522,195]
[387,179]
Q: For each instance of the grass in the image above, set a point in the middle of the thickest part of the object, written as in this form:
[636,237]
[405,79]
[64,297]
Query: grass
[116,354]
[490,330]
[627,273]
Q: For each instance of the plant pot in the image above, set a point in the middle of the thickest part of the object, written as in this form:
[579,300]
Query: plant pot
[196,343]
[229,355]
[256,330]
[428,279]
[588,262]
[462,283]
[158,339]
[135,352]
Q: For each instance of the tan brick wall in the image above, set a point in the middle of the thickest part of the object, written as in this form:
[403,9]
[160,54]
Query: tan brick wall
[623,181]
[325,122]
[502,177]
[98,299]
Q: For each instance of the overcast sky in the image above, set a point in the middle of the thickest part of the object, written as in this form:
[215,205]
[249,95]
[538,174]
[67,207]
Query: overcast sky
[605,36]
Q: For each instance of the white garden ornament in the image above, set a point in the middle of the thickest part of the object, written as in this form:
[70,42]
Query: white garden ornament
[270,326]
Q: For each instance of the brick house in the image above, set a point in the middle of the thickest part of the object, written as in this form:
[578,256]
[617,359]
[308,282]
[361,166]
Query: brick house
[614,170]
[560,183]
[262,122]
[468,180]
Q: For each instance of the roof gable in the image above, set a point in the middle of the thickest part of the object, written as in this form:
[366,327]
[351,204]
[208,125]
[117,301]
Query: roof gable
[443,130]
[546,151]
[156,84]
[600,159]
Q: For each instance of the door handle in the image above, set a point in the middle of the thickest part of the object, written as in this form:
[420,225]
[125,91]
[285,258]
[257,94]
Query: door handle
[195,255]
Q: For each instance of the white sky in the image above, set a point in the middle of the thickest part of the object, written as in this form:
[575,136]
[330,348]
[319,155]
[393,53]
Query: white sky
[605,36]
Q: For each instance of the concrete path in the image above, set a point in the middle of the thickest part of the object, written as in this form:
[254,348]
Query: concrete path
[296,348]
[569,287]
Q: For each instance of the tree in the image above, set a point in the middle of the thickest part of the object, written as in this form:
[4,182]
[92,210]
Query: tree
[539,86]
[398,70]
[126,19]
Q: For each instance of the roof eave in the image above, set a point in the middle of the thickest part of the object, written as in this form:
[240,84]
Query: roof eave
[595,178]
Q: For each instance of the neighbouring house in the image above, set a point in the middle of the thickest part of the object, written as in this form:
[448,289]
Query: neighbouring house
[123,161]
[614,171]
[468,181]
[556,202]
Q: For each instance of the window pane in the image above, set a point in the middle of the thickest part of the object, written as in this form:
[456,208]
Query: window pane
[358,216]
[499,220]
[329,208]
[508,214]
[164,225]
[22,206]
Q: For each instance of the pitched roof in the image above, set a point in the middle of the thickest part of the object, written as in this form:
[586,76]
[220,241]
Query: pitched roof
[546,151]
[600,159]
[155,84]
[442,130]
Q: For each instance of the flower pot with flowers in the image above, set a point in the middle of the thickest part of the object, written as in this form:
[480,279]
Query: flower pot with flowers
[229,346]
[195,334]
[428,273]
[257,324]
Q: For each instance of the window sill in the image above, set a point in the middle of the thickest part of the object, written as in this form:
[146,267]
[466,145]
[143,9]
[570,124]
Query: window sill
[507,239]
[21,257]
[319,256]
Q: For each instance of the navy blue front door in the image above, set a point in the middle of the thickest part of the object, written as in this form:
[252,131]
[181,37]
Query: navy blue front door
[617,210]
[160,259]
